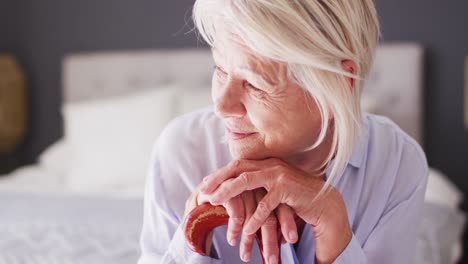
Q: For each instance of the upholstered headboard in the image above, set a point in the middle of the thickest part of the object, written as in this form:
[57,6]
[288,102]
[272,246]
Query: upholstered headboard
[103,74]
[394,87]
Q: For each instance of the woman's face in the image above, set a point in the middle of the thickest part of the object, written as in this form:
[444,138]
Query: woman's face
[266,114]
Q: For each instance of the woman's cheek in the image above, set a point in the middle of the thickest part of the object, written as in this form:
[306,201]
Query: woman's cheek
[214,94]
[261,117]
[215,85]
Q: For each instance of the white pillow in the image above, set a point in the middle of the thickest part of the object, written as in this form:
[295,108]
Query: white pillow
[189,100]
[111,139]
[56,158]
[440,190]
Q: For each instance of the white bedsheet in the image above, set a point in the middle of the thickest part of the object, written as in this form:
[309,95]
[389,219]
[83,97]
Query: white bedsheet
[71,229]
[32,179]
[35,179]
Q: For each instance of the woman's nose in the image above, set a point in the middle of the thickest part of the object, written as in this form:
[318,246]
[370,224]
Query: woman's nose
[228,101]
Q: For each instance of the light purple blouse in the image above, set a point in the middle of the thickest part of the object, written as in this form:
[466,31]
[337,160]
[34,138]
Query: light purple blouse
[383,187]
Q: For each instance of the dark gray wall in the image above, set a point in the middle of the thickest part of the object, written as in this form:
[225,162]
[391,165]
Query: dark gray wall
[3,19]
[7,36]
[41,32]
[7,20]
[442,28]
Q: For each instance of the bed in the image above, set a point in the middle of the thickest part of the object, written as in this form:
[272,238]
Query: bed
[82,201]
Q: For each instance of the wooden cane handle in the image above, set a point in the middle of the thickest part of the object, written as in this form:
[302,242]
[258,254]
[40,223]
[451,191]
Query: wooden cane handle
[202,220]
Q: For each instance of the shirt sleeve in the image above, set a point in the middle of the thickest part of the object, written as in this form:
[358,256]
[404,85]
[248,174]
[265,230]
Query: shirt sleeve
[394,238]
[162,239]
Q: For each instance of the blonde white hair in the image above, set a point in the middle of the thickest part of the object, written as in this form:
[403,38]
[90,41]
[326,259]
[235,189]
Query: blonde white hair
[313,38]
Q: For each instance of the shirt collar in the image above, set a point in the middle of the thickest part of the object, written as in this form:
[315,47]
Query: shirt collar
[360,149]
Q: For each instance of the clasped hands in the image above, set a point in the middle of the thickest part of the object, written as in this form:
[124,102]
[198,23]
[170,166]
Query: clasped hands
[274,197]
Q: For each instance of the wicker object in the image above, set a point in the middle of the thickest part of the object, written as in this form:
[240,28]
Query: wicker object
[12,104]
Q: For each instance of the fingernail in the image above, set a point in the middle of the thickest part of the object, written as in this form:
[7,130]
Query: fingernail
[273,260]
[205,184]
[292,235]
[232,242]
[214,201]
[246,257]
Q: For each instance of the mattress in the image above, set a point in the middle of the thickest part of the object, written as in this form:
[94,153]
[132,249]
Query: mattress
[50,229]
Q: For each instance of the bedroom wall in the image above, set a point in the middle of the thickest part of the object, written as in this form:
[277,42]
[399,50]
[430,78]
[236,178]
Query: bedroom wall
[3,21]
[7,39]
[44,31]
[440,26]
[41,32]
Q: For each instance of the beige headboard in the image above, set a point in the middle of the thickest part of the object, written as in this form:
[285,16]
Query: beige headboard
[394,87]
[102,74]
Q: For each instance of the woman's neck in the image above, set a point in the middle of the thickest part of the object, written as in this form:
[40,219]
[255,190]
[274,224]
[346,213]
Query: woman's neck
[312,161]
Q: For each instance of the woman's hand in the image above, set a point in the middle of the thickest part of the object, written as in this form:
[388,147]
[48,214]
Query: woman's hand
[241,208]
[191,203]
[288,185]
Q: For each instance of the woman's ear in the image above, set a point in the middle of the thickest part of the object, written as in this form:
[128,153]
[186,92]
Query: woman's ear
[350,66]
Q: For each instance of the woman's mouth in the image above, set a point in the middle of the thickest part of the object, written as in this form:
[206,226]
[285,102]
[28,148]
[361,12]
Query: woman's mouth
[237,135]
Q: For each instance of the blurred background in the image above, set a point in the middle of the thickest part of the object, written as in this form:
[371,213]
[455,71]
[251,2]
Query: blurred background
[41,34]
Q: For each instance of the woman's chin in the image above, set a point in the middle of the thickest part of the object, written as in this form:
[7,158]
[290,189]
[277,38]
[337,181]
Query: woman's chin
[247,151]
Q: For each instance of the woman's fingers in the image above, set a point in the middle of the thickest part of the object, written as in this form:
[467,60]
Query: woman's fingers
[232,170]
[270,240]
[269,231]
[246,246]
[195,199]
[285,215]
[247,240]
[236,212]
[246,181]
[265,207]
[191,202]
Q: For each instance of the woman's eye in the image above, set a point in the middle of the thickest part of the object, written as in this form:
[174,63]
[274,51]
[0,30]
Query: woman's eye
[255,89]
[219,69]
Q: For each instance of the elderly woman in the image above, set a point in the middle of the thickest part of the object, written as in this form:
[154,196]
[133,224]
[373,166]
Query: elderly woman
[323,181]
